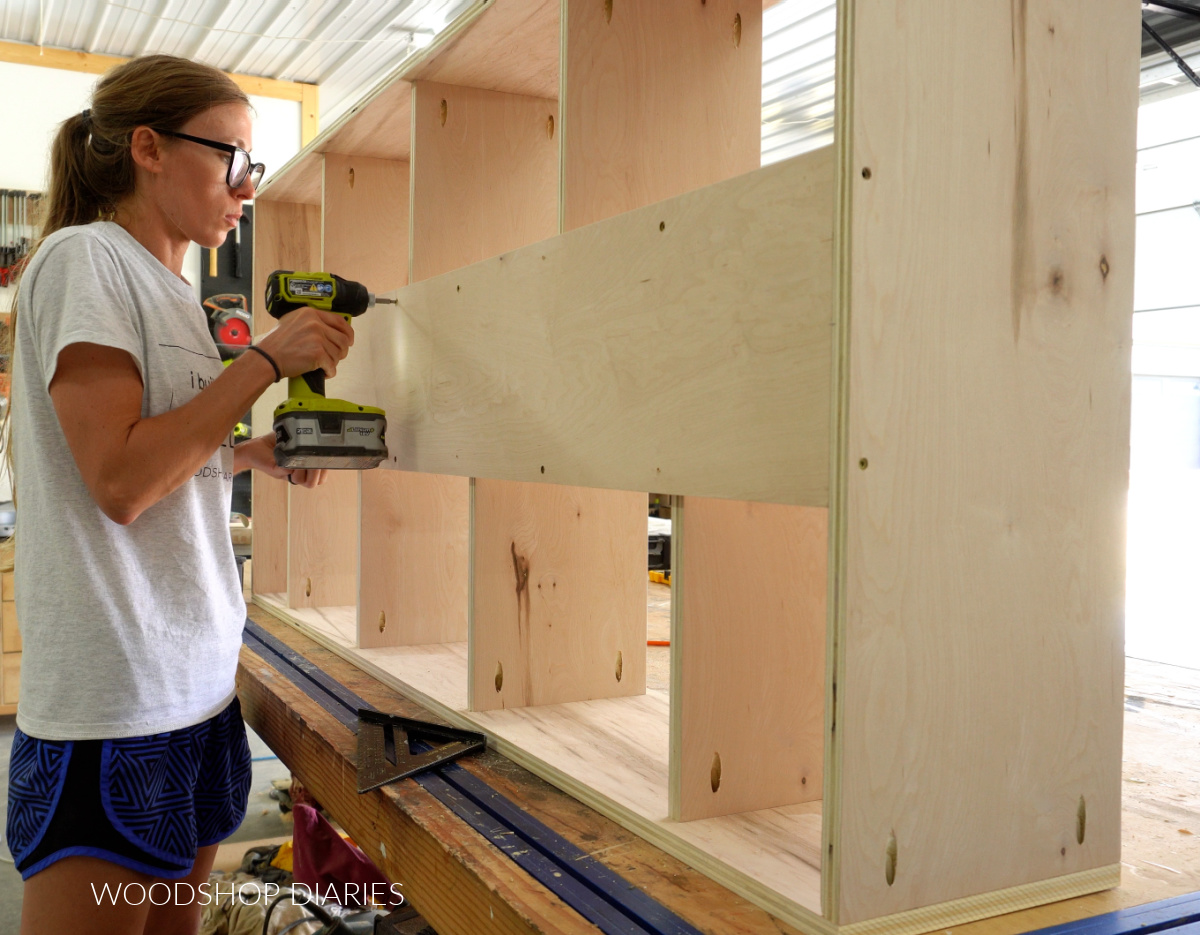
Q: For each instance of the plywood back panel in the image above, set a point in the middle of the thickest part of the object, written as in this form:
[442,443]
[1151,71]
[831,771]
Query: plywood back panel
[286,235]
[485,175]
[414,571]
[323,543]
[989,164]
[365,239]
[658,99]
[681,347]
[553,606]
[748,656]
[269,504]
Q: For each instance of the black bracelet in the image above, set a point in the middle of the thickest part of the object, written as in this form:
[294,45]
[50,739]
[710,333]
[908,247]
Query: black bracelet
[270,360]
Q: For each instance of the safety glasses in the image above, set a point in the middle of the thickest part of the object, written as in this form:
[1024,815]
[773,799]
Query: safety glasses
[240,165]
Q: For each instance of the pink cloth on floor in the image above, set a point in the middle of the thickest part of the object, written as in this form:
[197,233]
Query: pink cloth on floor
[332,867]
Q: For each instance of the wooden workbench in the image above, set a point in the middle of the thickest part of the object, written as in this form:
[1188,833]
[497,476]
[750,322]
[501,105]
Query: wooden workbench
[465,886]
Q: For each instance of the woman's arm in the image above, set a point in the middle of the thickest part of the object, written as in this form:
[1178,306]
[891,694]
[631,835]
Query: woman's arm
[129,463]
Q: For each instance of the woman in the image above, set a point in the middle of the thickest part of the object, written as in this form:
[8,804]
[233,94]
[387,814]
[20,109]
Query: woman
[130,762]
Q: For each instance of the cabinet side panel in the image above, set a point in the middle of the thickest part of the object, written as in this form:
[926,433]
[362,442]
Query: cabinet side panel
[979,720]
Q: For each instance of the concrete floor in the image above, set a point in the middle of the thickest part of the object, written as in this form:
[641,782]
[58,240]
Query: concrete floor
[263,818]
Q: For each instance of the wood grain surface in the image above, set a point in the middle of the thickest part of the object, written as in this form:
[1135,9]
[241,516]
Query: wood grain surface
[559,608]
[680,347]
[485,175]
[512,46]
[461,884]
[748,644]
[988,298]
[658,99]
[286,236]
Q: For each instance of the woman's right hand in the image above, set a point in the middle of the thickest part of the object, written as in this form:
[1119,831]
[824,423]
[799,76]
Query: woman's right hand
[309,339]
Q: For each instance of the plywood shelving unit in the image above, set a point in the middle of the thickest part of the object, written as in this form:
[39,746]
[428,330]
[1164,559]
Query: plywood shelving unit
[888,384]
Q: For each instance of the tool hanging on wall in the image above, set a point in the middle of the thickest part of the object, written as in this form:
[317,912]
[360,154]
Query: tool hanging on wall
[19,212]
[312,431]
[229,318]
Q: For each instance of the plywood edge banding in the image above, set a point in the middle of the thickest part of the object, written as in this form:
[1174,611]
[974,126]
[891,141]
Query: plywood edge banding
[987,905]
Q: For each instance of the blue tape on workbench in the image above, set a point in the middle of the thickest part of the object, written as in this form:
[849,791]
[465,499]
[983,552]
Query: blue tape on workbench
[1177,916]
[604,898]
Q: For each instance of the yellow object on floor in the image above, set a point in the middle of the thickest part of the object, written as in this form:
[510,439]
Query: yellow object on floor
[283,859]
[660,577]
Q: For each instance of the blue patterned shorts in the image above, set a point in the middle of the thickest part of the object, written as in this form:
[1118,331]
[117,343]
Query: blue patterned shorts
[146,803]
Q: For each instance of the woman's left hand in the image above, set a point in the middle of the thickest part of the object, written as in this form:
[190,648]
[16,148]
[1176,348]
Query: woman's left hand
[259,454]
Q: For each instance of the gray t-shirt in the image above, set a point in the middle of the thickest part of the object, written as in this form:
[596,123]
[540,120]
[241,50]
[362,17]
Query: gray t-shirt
[127,630]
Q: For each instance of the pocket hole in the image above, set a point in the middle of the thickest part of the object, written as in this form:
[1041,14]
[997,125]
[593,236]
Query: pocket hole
[620,665]
[1081,820]
[499,676]
[608,11]
[351,178]
[382,621]
[714,774]
[444,111]
[737,30]
[889,870]
[550,127]
[308,587]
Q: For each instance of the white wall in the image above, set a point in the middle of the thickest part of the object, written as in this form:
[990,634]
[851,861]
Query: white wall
[39,99]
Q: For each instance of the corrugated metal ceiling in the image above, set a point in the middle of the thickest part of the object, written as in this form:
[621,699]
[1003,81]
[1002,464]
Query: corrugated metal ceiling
[342,45]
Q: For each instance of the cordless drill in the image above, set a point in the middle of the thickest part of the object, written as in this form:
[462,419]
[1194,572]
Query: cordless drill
[311,430]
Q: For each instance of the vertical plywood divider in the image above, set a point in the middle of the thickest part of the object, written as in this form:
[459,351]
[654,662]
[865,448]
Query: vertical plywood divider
[412,551]
[662,99]
[987,292]
[551,601]
[286,235]
[749,657]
